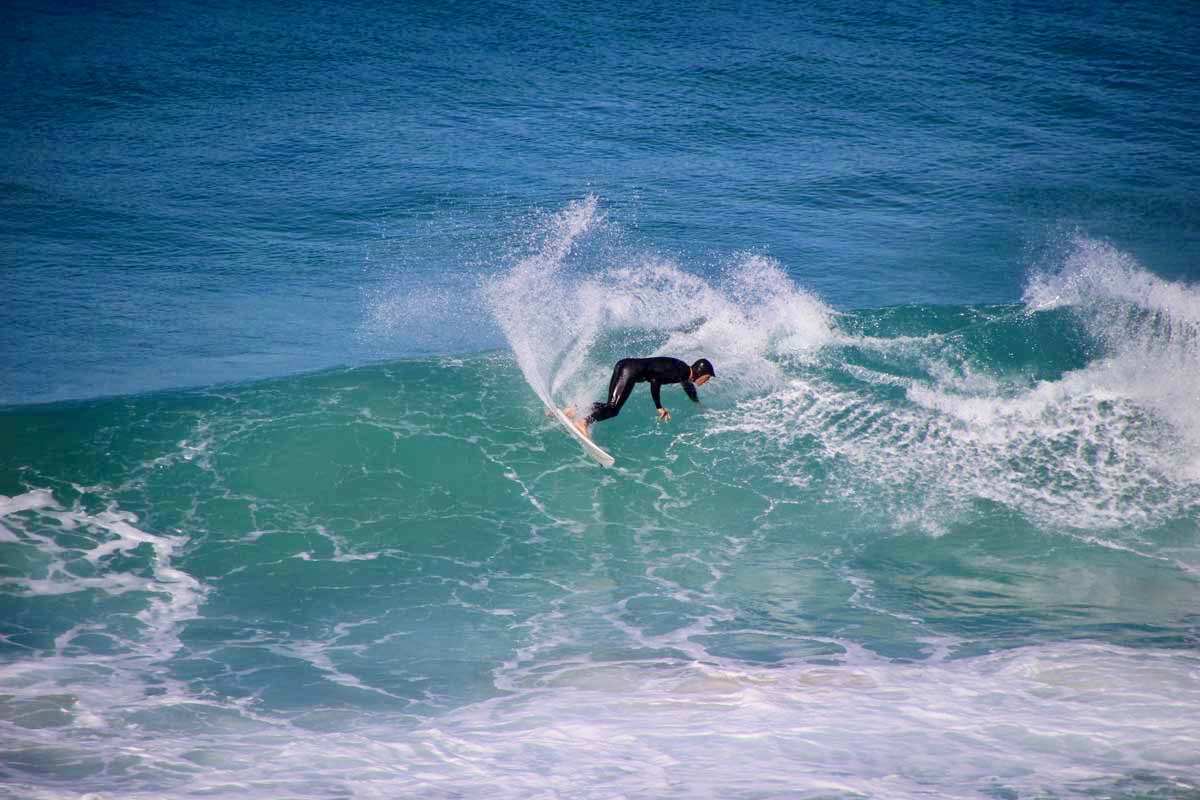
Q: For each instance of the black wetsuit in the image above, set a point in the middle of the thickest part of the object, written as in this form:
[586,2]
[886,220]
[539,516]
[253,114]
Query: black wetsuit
[629,371]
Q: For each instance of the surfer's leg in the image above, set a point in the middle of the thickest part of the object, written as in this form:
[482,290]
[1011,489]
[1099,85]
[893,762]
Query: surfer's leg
[618,370]
[619,389]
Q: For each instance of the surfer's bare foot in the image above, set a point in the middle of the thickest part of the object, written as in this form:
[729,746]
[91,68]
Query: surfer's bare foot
[569,412]
[582,425]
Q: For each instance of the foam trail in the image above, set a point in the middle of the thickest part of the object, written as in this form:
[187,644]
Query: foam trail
[173,595]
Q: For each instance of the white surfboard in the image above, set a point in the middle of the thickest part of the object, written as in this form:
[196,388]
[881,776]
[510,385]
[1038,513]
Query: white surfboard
[591,448]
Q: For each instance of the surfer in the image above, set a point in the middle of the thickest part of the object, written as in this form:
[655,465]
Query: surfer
[657,372]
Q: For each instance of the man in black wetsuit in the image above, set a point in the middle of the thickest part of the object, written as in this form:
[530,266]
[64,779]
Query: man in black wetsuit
[657,371]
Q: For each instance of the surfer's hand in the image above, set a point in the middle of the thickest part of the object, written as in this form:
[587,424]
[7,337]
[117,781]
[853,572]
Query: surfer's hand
[664,415]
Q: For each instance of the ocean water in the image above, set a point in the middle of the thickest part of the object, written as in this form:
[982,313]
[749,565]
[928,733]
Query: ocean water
[286,286]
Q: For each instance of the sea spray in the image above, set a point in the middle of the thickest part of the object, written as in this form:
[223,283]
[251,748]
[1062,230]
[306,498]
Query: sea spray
[533,304]
[567,318]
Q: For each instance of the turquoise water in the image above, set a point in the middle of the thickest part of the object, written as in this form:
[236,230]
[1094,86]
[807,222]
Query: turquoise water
[282,514]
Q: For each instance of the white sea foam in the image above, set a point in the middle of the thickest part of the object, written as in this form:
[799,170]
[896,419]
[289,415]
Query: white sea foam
[1150,328]
[172,595]
[1059,720]
[1062,453]
[1114,444]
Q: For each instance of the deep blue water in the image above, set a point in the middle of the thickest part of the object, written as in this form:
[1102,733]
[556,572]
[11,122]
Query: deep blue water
[285,286]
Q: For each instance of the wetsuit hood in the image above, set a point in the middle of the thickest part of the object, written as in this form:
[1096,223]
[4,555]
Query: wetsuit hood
[703,367]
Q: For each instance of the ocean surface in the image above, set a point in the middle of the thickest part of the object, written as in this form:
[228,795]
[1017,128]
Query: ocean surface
[286,285]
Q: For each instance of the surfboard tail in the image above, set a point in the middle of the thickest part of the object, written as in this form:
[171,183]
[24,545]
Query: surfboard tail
[584,439]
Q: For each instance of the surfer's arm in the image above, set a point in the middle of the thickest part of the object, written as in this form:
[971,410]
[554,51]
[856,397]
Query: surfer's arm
[690,389]
[663,414]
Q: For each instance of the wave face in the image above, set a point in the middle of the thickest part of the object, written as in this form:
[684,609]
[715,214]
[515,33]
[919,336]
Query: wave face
[899,552]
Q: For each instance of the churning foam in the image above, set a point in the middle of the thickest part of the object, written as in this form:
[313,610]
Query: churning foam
[1150,328]
[35,521]
[1051,719]
[568,313]
[1114,444]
